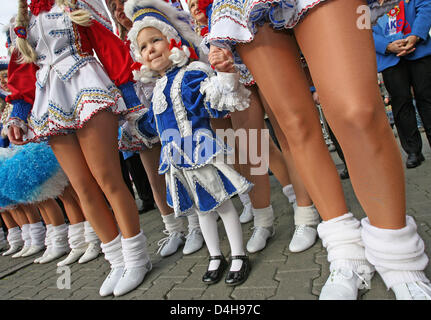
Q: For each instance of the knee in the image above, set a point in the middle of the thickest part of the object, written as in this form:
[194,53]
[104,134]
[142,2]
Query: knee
[363,118]
[109,182]
[298,130]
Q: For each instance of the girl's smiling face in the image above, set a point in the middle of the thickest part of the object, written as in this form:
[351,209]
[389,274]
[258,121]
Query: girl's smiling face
[197,14]
[154,49]
[3,80]
[117,9]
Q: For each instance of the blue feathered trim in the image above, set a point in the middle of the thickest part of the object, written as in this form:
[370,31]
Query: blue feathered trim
[31,175]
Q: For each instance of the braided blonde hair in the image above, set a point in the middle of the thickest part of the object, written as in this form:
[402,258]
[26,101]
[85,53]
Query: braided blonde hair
[26,52]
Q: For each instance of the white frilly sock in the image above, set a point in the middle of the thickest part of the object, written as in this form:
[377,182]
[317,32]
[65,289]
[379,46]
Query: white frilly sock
[59,238]
[25,234]
[135,252]
[398,255]
[263,217]
[48,236]
[89,233]
[193,221]
[306,216]
[245,199]
[289,193]
[37,234]
[14,236]
[113,252]
[76,236]
[342,239]
[173,224]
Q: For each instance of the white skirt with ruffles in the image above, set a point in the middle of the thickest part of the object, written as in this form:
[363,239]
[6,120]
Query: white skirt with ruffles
[60,107]
[204,188]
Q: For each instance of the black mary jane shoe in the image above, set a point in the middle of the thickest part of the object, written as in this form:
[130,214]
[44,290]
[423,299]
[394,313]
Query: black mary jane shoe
[214,276]
[234,278]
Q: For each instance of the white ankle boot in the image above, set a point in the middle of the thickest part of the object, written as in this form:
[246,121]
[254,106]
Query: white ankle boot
[136,264]
[175,235]
[263,229]
[37,235]
[25,234]
[76,243]
[417,290]
[93,248]
[345,280]
[350,271]
[113,253]
[15,241]
[170,244]
[399,257]
[48,243]
[305,234]
[194,239]
[247,213]
[59,243]
[21,252]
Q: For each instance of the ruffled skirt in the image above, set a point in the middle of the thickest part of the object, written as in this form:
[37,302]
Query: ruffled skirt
[29,174]
[204,188]
[237,21]
[62,107]
[234,21]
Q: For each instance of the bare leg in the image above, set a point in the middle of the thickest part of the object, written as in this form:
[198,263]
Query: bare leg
[355,109]
[53,211]
[8,220]
[98,140]
[150,160]
[71,159]
[44,215]
[71,206]
[19,216]
[285,87]
[302,197]
[31,213]
[277,164]
[252,118]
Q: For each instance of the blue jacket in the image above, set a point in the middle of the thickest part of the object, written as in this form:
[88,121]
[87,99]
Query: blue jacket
[183,102]
[395,25]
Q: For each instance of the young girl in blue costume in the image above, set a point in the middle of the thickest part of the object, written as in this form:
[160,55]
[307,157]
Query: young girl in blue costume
[74,100]
[186,95]
[335,46]
[150,155]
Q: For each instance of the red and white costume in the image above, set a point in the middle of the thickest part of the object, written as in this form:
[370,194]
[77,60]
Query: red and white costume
[67,85]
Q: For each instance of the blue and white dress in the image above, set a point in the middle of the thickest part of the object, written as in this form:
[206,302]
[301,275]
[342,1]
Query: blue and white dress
[183,102]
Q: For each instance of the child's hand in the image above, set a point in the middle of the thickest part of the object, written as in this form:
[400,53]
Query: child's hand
[221,59]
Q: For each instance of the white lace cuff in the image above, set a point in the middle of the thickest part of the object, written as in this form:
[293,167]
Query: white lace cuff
[224,92]
[17,122]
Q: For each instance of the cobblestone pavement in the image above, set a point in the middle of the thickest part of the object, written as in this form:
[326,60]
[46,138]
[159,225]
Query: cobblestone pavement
[276,272]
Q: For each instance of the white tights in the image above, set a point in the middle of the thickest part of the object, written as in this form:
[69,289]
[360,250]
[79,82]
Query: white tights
[208,222]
